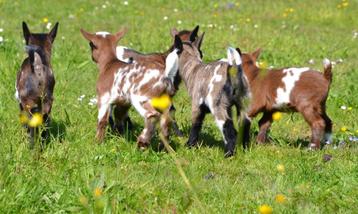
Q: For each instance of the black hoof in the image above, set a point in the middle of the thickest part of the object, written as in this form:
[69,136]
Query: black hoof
[229,154]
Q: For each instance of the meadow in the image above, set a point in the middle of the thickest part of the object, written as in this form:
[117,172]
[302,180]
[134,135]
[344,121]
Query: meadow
[74,174]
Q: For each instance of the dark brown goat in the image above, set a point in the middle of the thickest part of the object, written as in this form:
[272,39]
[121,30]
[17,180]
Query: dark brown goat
[35,81]
[289,89]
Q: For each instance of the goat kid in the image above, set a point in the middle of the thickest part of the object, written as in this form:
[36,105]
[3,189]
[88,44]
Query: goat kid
[214,87]
[126,54]
[289,89]
[35,80]
[125,84]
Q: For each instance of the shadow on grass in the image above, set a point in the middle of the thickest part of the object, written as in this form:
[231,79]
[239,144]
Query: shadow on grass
[57,130]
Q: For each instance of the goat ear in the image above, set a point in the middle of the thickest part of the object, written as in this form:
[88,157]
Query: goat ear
[178,44]
[53,32]
[119,35]
[194,34]
[199,40]
[26,32]
[256,53]
[87,35]
[174,32]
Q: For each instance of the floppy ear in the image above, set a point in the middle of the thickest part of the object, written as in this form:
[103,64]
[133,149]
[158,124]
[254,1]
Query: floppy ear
[87,35]
[199,40]
[26,32]
[173,32]
[120,34]
[178,44]
[53,32]
[194,34]
[256,53]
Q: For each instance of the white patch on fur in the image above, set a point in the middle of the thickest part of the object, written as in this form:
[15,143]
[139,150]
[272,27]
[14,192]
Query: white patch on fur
[172,65]
[233,56]
[224,60]
[137,101]
[209,99]
[102,33]
[289,80]
[148,76]
[120,54]
[103,105]
[17,96]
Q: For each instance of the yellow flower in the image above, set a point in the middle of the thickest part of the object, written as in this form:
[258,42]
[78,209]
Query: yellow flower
[357,131]
[265,209]
[23,118]
[344,129]
[280,198]
[97,192]
[339,6]
[277,116]
[280,168]
[45,20]
[83,200]
[291,10]
[36,120]
[262,64]
[161,103]
[285,14]
[248,20]
[349,108]
[345,4]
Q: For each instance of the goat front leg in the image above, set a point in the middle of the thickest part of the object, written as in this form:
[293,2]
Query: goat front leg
[198,115]
[264,125]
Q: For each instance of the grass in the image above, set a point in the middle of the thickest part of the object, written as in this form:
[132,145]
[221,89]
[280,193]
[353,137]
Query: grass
[72,174]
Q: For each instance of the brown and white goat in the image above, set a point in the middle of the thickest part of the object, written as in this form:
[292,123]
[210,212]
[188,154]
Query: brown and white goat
[126,54]
[289,89]
[125,84]
[35,81]
[214,87]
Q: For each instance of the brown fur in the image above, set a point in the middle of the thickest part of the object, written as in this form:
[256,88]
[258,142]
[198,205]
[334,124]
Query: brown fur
[308,96]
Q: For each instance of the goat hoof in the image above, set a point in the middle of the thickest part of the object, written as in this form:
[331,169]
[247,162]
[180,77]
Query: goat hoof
[142,145]
[191,144]
[229,154]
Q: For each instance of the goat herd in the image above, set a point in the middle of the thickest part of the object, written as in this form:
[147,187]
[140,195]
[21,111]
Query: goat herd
[130,78]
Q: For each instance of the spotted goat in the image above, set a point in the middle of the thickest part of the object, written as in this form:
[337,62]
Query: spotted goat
[35,81]
[214,87]
[124,84]
[129,55]
[289,89]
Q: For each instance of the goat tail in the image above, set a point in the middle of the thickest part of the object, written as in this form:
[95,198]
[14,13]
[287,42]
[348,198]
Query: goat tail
[36,56]
[327,72]
[171,70]
[236,74]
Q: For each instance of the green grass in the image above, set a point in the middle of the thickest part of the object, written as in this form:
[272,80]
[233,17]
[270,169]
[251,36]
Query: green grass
[64,176]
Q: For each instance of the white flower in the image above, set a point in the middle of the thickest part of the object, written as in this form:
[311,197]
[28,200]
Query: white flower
[311,61]
[48,26]
[1,39]
[92,102]
[175,10]
[71,16]
[355,35]
[179,22]
[63,38]
[344,107]
[104,6]
[1,30]
[256,26]
[81,97]
[165,17]
[210,25]
[125,2]
[339,60]
[231,26]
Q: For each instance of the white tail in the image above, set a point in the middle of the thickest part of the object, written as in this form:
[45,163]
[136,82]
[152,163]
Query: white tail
[172,65]
[233,56]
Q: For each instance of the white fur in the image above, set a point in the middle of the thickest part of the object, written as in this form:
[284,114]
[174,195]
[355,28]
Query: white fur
[326,63]
[224,60]
[172,65]
[102,33]
[328,138]
[233,56]
[220,124]
[17,93]
[137,101]
[120,54]
[209,99]
[289,80]
[103,105]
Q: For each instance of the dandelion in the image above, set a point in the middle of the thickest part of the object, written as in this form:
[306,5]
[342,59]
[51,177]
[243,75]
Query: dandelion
[83,200]
[285,14]
[276,116]
[357,131]
[265,209]
[45,20]
[97,192]
[248,20]
[291,10]
[280,168]
[349,108]
[36,120]
[161,103]
[23,118]
[179,22]
[262,64]
[165,17]
[344,129]
[280,198]
[345,4]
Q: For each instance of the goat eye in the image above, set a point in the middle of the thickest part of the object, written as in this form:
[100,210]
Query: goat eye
[92,45]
